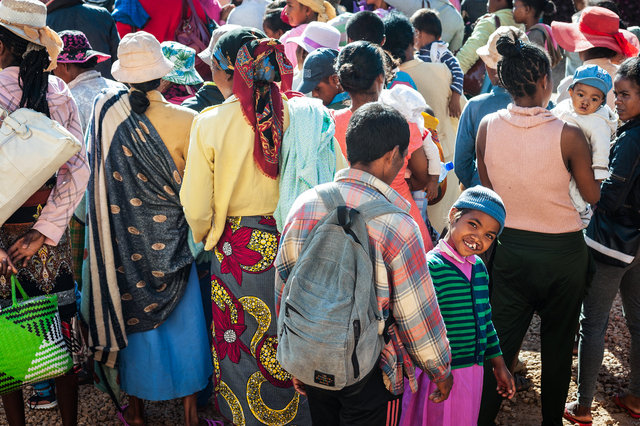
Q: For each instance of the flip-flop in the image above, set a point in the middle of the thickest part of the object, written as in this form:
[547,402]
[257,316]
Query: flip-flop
[573,420]
[120,415]
[618,401]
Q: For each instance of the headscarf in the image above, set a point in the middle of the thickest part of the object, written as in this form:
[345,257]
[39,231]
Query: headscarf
[324,9]
[258,63]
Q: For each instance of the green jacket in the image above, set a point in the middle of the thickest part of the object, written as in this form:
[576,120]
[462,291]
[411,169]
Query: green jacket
[485,26]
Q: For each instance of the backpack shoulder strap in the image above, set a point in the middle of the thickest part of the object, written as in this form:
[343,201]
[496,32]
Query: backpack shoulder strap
[330,196]
[372,209]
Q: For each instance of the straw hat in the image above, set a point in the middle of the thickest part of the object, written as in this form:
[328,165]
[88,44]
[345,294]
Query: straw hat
[489,52]
[597,27]
[28,20]
[140,59]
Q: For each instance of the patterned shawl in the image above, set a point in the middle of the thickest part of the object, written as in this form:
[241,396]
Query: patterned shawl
[138,246]
[258,63]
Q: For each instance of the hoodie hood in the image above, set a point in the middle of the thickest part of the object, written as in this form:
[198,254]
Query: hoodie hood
[526,117]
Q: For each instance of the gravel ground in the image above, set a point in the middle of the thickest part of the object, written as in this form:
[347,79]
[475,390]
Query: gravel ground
[95,408]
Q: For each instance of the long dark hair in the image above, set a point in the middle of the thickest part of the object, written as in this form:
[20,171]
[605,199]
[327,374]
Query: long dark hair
[32,78]
[138,97]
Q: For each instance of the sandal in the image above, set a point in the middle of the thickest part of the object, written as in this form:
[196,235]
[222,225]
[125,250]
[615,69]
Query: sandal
[618,401]
[43,398]
[120,415]
[567,415]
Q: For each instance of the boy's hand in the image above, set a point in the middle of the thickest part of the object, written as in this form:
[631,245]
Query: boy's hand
[432,187]
[6,266]
[443,391]
[506,386]
[298,386]
[454,105]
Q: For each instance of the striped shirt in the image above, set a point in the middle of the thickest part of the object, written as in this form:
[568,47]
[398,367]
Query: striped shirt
[73,176]
[402,282]
[437,52]
[464,305]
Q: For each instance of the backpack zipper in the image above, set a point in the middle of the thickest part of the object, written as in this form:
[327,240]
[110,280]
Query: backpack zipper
[354,356]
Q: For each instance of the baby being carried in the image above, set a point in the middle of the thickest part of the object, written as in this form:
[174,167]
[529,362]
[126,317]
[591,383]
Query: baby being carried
[587,108]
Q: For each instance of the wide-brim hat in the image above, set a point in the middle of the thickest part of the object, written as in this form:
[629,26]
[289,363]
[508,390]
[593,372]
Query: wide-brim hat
[28,20]
[489,52]
[597,27]
[140,59]
[77,49]
[207,53]
[184,61]
[317,35]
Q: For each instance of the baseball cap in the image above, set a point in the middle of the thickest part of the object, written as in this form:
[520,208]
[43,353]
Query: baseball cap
[318,65]
[594,76]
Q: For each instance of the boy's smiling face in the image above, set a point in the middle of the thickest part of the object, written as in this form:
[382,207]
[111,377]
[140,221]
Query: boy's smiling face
[586,99]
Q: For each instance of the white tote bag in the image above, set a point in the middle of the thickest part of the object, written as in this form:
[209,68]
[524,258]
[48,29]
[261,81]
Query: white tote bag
[32,149]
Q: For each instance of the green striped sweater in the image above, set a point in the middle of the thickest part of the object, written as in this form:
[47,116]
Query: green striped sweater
[465,310]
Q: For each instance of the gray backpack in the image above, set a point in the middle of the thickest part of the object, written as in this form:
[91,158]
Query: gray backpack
[329,326]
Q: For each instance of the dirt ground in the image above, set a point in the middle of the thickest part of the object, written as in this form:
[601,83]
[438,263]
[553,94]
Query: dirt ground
[95,408]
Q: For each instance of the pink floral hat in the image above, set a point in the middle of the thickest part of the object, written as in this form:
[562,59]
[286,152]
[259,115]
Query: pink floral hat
[77,49]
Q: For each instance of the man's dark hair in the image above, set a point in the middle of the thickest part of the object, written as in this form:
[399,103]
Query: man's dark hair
[427,21]
[367,26]
[374,130]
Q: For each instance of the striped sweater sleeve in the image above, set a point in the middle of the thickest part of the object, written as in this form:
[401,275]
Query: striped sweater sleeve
[457,77]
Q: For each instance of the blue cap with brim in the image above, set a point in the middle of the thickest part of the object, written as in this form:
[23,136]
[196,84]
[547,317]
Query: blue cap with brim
[594,76]
[318,65]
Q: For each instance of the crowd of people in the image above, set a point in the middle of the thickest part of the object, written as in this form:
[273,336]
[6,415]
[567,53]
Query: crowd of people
[327,212]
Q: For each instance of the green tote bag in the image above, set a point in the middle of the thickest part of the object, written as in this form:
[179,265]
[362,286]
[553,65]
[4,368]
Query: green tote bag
[32,347]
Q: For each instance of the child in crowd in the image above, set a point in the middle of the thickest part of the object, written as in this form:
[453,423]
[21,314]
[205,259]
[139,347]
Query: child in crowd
[529,13]
[431,49]
[272,23]
[461,281]
[367,26]
[300,13]
[320,79]
[587,108]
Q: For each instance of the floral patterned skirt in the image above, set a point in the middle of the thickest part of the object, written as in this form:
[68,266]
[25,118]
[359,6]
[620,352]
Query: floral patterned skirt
[250,385]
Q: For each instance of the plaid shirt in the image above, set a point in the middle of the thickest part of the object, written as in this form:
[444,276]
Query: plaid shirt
[402,281]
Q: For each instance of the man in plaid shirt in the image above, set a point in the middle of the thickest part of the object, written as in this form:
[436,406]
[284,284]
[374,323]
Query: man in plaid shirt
[377,141]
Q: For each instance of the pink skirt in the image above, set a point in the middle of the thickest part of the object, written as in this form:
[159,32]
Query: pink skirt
[460,409]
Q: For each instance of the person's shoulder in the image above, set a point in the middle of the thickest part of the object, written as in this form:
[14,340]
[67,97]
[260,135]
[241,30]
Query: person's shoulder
[181,112]
[96,10]
[225,109]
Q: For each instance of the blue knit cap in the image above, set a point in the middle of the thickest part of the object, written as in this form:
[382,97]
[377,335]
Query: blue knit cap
[485,200]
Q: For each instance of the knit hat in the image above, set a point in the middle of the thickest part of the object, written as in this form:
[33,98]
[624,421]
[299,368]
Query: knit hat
[485,200]
[594,76]
[183,59]
[140,59]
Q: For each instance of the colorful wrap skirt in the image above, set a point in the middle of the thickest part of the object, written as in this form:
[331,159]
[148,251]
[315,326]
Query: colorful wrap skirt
[250,385]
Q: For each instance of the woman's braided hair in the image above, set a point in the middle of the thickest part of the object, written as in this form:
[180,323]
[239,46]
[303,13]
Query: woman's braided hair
[32,78]
[521,66]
